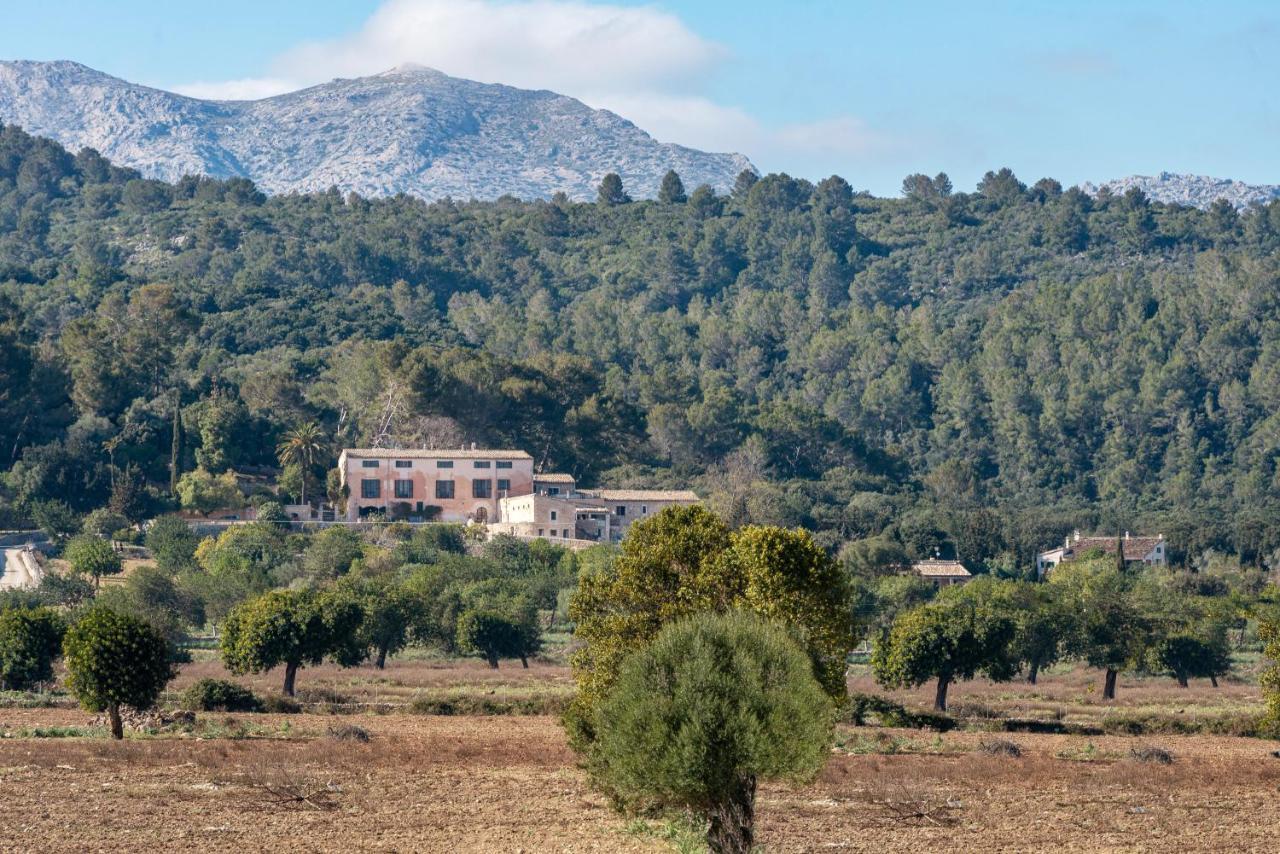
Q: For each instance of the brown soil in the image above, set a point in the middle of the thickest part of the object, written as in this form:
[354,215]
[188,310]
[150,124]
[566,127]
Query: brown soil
[505,784]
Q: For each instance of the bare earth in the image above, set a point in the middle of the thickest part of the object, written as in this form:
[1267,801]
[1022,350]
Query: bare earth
[499,784]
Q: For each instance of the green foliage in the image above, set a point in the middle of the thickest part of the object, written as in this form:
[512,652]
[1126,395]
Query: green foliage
[389,610]
[103,523]
[172,543]
[204,492]
[1111,631]
[92,556]
[293,628]
[272,513]
[672,190]
[56,519]
[714,705]
[30,640]
[219,695]
[151,594]
[330,553]
[1269,679]
[114,660]
[962,633]
[684,561]
[611,192]
[803,355]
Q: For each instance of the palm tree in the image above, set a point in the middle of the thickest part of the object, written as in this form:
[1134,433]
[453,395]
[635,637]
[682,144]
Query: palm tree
[301,446]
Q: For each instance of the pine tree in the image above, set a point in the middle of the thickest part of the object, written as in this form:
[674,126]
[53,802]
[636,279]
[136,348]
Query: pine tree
[611,191]
[672,190]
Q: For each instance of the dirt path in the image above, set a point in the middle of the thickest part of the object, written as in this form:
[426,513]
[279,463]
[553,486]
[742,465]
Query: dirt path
[21,569]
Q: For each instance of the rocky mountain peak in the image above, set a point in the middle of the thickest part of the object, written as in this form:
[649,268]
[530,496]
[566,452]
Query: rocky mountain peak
[411,129]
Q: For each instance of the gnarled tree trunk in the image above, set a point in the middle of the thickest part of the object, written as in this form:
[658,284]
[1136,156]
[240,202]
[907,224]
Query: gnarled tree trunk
[290,674]
[117,725]
[1033,674]
[1182,679]
[492,656]
[1109,686]
[732,826]
[1213,680]
[940,697]
[381,663]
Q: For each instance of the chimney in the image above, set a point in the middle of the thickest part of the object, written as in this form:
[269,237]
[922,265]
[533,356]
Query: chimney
[1126,535]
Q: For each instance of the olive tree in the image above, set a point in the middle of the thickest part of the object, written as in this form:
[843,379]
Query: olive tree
[30,640]
[1110,631]
[293,628]
[714,705]
[114,660]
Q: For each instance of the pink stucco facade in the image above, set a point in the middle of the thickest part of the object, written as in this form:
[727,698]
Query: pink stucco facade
[425,485]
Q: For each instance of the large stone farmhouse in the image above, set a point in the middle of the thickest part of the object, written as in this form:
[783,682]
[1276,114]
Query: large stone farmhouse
[496,488]
[1147,550]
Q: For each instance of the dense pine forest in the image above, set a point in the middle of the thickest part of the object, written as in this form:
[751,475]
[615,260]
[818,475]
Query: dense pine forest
[970,374]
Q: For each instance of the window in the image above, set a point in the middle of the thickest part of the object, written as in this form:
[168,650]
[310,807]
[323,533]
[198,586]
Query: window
[404,464]
[482,464]
[504,485]
[644,509]
[444,464]
[620,510]
[370,489]
[481,489]
[369,464]
[444,489]
[553,490]
[404,489]
[503,464]
[540,530]
[554,515]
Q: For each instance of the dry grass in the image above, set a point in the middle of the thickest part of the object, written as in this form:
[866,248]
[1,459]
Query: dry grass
[249,781]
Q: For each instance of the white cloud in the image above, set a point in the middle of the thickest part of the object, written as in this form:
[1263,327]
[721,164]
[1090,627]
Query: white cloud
[640,62]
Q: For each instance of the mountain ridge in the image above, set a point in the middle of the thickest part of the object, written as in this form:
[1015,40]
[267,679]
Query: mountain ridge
[409,129]
[1198,191]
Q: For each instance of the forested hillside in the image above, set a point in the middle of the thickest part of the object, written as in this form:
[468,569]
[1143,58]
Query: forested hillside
[968,373]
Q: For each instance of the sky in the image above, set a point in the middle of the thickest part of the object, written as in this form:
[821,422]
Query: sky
[871,91]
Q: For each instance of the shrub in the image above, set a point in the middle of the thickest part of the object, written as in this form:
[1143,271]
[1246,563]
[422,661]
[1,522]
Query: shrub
[220,695]
[870,709]
[30,640]
[1000,747]
[1155,755]
[115,660]
[349,732]
[278,705]
[713,705]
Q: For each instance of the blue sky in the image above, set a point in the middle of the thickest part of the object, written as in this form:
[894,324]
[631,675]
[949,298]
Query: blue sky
[871,91]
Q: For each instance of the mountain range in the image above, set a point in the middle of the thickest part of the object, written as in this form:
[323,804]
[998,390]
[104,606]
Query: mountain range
[409,130]
[1197,191]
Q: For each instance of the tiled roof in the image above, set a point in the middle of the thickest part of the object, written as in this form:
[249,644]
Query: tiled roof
[1135,548]
[643,494]
[940,569]
[554,477]
[436,454]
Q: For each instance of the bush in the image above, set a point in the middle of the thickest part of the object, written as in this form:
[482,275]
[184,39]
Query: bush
[873,710]
[220,695]
[1155,755]
[278,705]
[1000,747]
[713,705]
[349,732]
[30,640]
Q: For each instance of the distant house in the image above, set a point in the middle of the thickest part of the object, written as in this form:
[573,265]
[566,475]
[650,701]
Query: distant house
[558,511]
[1151,551]
[450,485]
[941,573]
